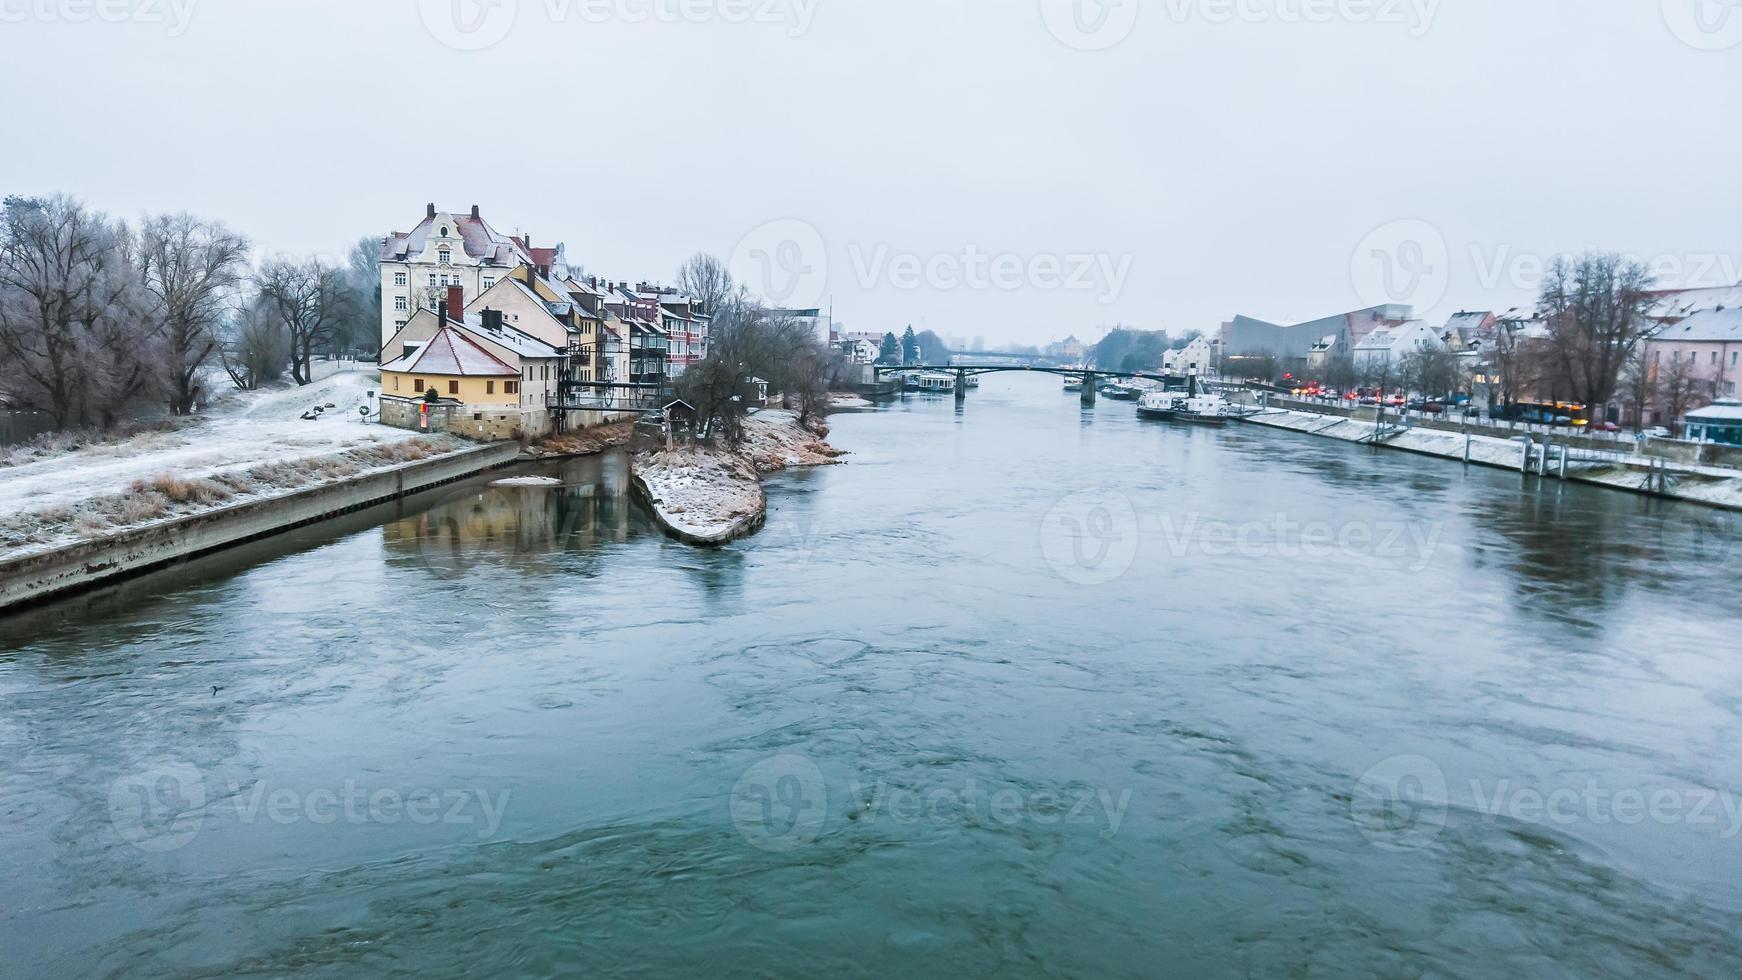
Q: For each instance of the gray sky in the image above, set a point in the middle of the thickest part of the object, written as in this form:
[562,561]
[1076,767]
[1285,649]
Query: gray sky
[1166,164]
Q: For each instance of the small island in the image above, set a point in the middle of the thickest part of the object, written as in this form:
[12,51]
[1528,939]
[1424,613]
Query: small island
[704,487]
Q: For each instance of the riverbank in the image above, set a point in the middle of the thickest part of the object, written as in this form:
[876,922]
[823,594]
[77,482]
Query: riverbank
[1709,485]
[35,573]
[585,442]
[709,495]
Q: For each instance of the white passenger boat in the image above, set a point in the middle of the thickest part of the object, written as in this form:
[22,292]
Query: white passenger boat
[931,382]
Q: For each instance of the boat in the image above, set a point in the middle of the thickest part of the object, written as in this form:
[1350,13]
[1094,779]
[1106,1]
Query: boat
[1205,409]
[1123,392]
[1159,405]
[930,382]
[1072,385]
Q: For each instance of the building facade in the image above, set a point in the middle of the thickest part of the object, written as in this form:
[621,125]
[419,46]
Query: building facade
[444,250]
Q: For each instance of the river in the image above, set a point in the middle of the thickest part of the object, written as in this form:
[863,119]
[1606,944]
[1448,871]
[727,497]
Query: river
[1021,689]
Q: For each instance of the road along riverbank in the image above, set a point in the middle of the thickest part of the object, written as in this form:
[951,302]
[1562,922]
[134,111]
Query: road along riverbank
[38,573]
[1538,454]
[712,495]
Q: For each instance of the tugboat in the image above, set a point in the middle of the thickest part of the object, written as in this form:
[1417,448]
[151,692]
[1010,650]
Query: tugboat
[1206,409]
[1122,392]
[1159,405]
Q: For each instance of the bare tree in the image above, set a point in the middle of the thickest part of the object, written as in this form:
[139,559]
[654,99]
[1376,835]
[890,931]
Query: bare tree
[1595,306]
[309,299]
[1339,372]
[705,279]
[190,268]
[363,276]
[1430,372]
[71,344]
[1683,387]
[1639,383]
[750,343]
[255,349]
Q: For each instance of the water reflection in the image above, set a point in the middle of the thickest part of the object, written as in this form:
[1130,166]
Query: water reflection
[526,530]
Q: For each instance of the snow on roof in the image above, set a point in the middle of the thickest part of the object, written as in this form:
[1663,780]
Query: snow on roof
[1706,326]
[451,352]
[1722,410]
[516,340]
[478,238]
[1671,304]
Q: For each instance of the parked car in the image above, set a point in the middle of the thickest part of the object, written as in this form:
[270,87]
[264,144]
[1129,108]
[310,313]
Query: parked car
[1657,432]
[1605,427]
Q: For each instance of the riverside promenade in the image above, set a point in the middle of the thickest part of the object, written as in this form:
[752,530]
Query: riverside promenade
[1542,454]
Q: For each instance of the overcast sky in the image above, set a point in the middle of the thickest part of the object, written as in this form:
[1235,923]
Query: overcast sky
[1017,170]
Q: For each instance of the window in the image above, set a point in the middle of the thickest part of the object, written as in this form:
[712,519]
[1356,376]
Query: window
[400,303]
[396,382]
[444,231]
[432,279]
[1732,358]
[419,384]
[400,278]
[1714,357]
[453,387]
[445,256]
[489,281]
[510,387]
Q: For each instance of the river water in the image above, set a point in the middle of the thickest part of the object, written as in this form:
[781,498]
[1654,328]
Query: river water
[1020,689]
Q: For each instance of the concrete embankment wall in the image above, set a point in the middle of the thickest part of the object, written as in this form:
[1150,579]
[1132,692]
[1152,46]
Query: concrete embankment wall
[39,575]
[1633,474]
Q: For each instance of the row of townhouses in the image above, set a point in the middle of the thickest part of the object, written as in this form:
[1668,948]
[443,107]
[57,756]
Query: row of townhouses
[489,335]
[1696,335]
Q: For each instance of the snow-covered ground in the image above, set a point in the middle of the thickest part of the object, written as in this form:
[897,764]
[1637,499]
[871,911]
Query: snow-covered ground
[714,495]
[710,495]
[1704,484]
[774,440]
[239,431]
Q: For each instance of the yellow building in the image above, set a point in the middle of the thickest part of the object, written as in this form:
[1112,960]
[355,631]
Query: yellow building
[452,383]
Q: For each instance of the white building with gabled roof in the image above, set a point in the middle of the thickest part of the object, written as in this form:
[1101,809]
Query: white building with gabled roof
[444,250]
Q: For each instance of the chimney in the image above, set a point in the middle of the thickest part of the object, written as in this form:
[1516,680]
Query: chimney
[430,212]
[457,301]
[441,313]
[474,210]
